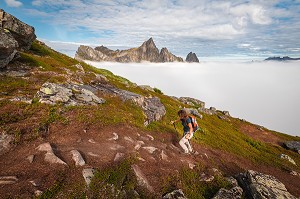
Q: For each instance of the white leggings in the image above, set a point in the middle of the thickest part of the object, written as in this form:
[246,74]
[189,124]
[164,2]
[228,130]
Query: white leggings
[185,144]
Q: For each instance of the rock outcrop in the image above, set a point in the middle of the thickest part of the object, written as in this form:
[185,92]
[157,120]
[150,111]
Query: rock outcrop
[259,185]
[14,35]
[146,52]
[293,145]
[285,58]
[192,57]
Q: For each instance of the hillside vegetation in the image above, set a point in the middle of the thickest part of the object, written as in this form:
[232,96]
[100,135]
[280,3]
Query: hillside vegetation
[230,145]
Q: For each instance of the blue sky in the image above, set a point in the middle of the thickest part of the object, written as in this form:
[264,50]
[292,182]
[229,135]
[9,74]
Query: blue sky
[209,28]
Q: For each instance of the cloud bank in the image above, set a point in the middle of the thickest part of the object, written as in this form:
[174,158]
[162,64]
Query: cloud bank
[265,93]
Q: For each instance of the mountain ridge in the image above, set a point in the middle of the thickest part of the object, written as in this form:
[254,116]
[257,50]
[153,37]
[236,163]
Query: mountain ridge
[146,52]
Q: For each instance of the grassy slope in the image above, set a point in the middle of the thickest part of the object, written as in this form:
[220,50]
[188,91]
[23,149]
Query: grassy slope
[20,119]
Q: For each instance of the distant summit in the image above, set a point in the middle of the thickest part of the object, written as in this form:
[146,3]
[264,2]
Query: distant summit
[286,58]
[146,52]
[191,57]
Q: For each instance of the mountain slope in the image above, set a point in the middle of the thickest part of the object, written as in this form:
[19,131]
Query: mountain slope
[228,144]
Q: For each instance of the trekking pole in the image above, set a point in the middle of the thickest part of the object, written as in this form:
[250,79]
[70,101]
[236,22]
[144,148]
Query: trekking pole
[174,126]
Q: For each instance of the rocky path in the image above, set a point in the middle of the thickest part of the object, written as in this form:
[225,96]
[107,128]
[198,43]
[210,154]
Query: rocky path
[31,169]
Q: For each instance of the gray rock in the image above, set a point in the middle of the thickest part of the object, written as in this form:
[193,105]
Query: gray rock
[283,156]
[77,157]
[234,193]
[293,145]
[8,47]
[5,142]
[146,87]
[192,101]
[50,156]
[226,113]
[22,33]
[193,112]
[176,194]
[141,178]
[259,185]
[152,107]
[192,57]
[88,174]
[68,94]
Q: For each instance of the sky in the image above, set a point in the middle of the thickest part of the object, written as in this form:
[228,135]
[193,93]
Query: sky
[241,28]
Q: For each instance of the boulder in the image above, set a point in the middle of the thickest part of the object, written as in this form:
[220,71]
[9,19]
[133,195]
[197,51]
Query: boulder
[77,157]
[293,145]
[68,94]
[23,33]
[192,101]
[259,185]
[50,156]
[8,47]
[176,194]
[14,35]
[192,57]
[233,193]
[193,112]
[152,107]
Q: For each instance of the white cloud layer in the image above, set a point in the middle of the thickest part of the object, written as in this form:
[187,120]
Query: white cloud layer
[13,3]
[264,93]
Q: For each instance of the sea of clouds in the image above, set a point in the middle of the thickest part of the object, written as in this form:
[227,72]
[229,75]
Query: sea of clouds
[264,93]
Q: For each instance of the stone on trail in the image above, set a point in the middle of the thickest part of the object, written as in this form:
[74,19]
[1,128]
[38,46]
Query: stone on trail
[50,156]
[30,158]
[115,137]
[5,180]
[150,149]
[77,157]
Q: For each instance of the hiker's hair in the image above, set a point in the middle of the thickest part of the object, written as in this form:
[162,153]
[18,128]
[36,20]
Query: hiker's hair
[182,113]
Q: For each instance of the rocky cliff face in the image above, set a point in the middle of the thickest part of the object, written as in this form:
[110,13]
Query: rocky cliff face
[191,57]
[15,35]
[146,52]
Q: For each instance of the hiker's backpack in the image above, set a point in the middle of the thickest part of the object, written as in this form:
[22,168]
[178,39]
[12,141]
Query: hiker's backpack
[194,122]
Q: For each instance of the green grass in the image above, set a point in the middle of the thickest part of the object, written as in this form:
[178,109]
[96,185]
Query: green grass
[117,181]
[190,182]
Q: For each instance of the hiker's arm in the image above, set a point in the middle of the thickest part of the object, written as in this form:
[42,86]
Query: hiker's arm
[191,128]
[175,121]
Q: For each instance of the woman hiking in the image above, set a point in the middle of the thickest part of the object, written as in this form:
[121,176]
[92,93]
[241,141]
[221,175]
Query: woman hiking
[187,129]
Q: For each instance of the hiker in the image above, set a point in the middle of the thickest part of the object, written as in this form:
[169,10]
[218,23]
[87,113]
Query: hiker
[187,129]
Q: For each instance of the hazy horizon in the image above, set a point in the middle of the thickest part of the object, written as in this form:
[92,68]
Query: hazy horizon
[263,93]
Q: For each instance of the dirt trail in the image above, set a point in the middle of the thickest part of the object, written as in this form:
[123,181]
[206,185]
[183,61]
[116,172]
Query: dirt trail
[160,156]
